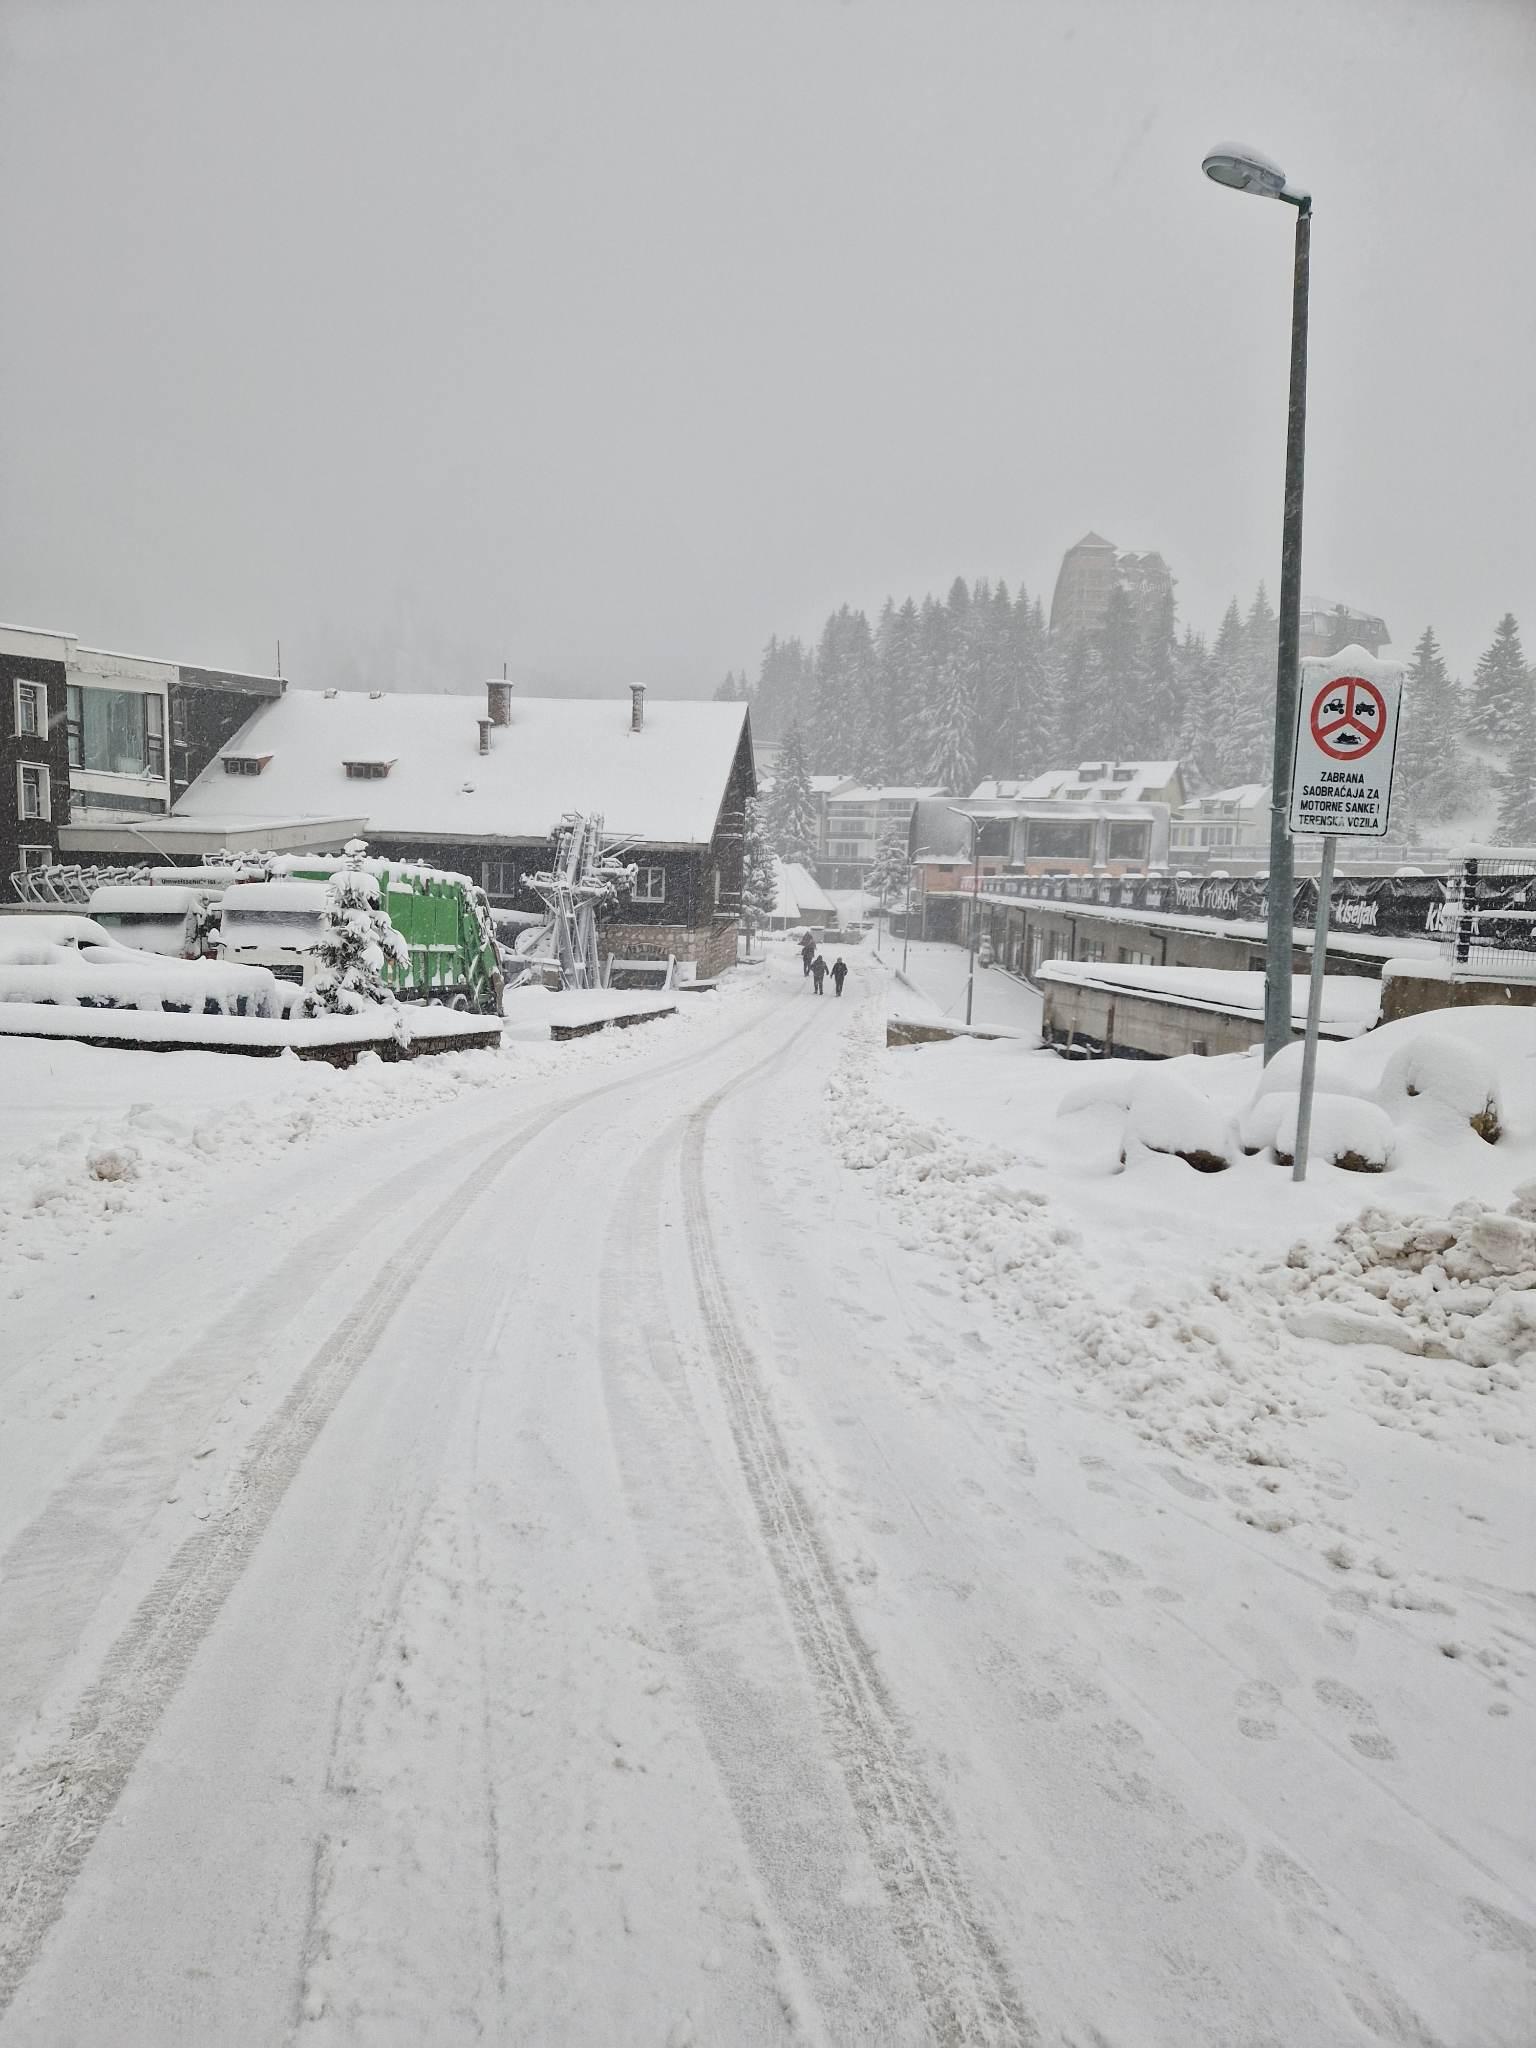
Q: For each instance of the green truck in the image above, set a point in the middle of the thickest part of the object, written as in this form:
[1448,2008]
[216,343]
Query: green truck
[444,919]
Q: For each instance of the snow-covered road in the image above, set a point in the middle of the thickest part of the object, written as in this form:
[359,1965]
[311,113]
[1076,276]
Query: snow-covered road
[554,1570]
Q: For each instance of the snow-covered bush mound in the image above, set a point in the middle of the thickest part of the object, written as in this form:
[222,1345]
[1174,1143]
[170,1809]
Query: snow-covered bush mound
[1346,1131]
[1161,1109]
[1168,1114]
[1449,1072]
[1461,1286]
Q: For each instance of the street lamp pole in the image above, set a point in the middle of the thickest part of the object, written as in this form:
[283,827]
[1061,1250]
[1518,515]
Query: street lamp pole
[1245,170]
[975,824]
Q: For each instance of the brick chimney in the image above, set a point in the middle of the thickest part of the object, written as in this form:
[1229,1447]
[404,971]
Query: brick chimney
[498,702]
[485,733]
[637,707]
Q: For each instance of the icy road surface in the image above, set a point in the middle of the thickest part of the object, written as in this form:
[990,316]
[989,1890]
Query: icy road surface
[545,1571]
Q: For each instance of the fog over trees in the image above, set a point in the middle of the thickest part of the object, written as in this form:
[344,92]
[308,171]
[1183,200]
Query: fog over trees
[973,685]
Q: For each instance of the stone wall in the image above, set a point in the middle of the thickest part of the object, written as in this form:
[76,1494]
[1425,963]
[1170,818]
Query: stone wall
[1412,995]
[711,947]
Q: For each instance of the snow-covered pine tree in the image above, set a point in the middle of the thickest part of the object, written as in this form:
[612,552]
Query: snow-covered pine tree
[899,655]
[1500,693]
[1234,741]
[950,755]
[1430,778]
[886,879]
[759,875]
[1039,739]
[356,943]
[1517,788]
[1111,712]
[933,642]
[789,820]
[1195,744]
[1159,711]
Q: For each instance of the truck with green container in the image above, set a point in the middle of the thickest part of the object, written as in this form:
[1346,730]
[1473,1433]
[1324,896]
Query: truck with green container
[444,919]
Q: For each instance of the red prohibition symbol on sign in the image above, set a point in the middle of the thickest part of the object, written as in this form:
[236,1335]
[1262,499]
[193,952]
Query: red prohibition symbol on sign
[1348,718]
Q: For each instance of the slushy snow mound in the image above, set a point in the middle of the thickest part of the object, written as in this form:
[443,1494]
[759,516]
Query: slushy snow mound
[1461,1286]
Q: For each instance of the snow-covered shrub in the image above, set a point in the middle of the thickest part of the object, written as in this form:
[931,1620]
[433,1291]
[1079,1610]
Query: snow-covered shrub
[1167,1114]
[1449,1071]
[1337,1072]
[1346,1130]
[1259,1125]
[356,942]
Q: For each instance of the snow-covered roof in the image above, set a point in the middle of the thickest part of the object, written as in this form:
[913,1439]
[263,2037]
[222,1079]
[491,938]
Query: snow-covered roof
[823,785]
[1246,795]
[662,785]
[863,793]
[1131,779]
[802,900]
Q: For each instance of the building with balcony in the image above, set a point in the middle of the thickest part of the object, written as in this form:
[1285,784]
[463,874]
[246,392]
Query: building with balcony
[89,737]
[854,821]
[1221,825]
[1094,567]
[1328,628]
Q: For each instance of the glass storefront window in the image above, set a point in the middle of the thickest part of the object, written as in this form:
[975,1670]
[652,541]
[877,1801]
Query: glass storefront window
[116,732]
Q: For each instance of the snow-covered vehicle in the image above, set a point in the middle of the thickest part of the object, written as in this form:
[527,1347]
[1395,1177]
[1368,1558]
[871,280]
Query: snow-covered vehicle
[157,918]
[443,919]
[75,962]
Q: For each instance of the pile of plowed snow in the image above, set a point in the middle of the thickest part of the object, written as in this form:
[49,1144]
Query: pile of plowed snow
[1223,1311]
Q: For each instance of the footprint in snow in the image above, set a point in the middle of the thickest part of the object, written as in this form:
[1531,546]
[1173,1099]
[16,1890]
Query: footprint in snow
[1365,1734]
[1257,1704]
[1186,1483]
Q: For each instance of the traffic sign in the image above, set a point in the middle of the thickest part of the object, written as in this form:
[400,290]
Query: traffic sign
[1346,740]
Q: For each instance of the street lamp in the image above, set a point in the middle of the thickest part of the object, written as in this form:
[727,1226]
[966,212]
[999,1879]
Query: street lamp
[970,978]
[1246,170]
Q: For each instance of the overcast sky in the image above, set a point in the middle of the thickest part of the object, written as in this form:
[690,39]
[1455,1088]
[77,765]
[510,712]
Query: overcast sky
[612,337]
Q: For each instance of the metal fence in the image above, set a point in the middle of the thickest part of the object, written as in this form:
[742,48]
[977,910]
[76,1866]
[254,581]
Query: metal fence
[1491,922]
[69,888]
[1383,906]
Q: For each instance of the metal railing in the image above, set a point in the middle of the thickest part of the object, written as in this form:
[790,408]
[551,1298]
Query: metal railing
[69,888]
[1491,920]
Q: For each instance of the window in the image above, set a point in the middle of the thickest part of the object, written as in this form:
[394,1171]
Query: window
[35,857]
[499,877]
[33,800]
[1128,841]
[367,771]
[1090,949]
[1059,842]
[31,710]
[245,764]
[1130,957]
[650,885]
[846,849]
[116,732]
[154,736]
[1123,775]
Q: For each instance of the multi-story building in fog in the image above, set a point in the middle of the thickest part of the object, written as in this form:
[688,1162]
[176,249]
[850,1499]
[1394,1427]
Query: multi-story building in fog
[1327,628]
[1091,570]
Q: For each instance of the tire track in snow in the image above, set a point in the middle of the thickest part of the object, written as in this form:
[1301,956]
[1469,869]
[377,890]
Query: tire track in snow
[959,1969]
[52,1812]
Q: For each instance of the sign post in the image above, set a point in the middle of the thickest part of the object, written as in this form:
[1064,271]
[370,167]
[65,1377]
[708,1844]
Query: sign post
[1341,786]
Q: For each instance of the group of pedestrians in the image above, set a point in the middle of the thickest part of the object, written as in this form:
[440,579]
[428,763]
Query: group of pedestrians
[811,963]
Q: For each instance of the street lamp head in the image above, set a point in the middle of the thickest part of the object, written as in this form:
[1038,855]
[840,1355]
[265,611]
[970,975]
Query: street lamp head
[1248,170]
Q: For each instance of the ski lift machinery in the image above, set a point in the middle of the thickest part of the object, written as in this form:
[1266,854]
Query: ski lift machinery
[584,877]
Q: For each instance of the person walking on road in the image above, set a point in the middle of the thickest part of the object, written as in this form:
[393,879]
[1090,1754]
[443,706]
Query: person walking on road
[839,975]
[807,952]
[818,972]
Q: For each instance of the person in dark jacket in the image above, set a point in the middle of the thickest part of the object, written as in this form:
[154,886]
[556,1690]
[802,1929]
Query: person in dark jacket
[839,974]
[818,972]
[807,952]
